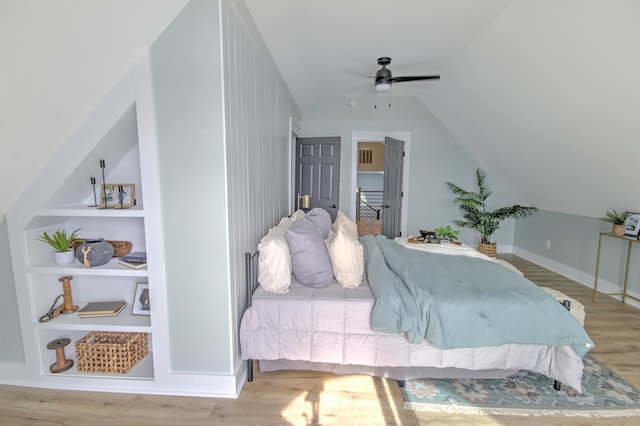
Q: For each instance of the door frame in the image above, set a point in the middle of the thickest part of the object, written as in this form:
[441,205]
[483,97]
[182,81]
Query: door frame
[294,134]
[378,136]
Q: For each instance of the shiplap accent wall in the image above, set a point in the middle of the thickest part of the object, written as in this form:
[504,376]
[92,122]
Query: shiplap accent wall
[258,107]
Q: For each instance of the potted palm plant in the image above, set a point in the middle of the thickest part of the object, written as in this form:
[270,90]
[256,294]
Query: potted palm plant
[617,220]
[61,244]
[476,215]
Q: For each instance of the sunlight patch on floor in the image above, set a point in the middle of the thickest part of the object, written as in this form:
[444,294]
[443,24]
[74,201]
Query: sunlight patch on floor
[339,391]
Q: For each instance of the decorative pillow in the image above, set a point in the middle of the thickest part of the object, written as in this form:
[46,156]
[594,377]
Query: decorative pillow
[274,261]
[343,223]
[321,219]
[309,257]
[347,258]
[297,215]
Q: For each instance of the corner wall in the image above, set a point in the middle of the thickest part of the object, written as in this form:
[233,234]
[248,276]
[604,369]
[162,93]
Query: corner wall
[11,349]
[574,249]
[223,115]
[187,86]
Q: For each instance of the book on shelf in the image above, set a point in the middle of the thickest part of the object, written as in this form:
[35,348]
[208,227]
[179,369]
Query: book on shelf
[133,265]
[102,309]
[135,257]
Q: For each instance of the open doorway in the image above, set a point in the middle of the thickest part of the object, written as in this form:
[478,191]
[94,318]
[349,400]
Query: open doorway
[370,187]
[379,187]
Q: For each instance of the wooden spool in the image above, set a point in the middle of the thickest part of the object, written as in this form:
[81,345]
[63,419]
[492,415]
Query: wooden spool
[61,364]
[69,307]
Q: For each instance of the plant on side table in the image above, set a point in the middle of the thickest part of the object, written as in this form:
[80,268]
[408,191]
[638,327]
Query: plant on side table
[447,234]
[61,244]
[476,216]
[617,220]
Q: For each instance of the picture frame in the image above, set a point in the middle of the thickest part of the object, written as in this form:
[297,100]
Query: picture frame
[117,195]
[632,225]
[140,304]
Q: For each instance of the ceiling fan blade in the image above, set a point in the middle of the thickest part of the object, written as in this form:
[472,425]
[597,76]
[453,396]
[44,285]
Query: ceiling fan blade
[415,78]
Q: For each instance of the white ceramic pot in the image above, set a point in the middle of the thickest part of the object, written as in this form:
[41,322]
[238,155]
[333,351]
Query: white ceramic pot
[64,257]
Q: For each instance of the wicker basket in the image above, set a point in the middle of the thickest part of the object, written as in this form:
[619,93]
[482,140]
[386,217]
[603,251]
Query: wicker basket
[488,249]
[109,352]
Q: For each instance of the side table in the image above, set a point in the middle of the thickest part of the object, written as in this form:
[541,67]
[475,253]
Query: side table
[626,271]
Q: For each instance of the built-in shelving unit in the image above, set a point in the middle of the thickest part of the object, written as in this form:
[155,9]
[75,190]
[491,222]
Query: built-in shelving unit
[117,132]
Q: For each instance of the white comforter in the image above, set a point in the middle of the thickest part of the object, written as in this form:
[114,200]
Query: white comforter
[331,325]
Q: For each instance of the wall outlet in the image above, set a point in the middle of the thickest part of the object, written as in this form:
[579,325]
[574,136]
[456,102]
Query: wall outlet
[547,244]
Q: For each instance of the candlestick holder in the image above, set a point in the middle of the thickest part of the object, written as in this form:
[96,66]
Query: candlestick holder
[95,199]
[104,187]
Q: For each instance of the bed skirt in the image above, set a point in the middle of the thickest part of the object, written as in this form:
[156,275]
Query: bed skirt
[397,373]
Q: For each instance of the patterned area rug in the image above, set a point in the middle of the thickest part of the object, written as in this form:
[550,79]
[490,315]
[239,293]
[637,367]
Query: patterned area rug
[527,394]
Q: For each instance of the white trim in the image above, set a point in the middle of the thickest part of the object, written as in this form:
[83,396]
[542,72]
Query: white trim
[148,142]
[294,134]
[377,136]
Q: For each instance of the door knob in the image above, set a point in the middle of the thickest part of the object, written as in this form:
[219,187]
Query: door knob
[333,206]
[384,206]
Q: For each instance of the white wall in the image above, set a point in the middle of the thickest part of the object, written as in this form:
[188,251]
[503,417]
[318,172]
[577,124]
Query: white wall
[548,95]
[187,86]
[258,106]
[223,133]
[59,58]
[435,157]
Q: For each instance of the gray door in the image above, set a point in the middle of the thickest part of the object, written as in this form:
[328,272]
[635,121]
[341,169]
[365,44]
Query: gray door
[392,192]
[318,172]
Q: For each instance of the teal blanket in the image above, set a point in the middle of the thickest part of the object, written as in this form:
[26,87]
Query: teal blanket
[461,301]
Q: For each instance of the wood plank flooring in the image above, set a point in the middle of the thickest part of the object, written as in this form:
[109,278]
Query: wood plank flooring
[303,398]
[369,227]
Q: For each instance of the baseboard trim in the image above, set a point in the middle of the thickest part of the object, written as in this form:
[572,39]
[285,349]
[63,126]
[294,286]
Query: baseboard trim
[581,277]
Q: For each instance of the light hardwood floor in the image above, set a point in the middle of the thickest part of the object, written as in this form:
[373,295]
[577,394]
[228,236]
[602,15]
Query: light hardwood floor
[369,227]
[299,398]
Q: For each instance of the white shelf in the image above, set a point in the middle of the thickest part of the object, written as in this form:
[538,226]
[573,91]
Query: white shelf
[112,268]
[123,322]
[87,211]
[143,370]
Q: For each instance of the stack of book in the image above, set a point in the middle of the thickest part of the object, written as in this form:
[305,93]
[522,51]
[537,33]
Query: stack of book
[102,309]
[135,260]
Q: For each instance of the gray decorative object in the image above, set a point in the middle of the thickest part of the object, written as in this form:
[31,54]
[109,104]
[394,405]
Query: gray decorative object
[94,252]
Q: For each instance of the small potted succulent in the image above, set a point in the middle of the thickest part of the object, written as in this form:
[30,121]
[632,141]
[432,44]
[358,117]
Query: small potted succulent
[617,219]
[61,244]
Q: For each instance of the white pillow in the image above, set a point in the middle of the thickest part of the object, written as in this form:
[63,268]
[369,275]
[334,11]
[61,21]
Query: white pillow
[274,261]
[344,224]
[347,259]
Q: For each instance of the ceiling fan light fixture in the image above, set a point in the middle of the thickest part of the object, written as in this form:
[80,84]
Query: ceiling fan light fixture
[383,87]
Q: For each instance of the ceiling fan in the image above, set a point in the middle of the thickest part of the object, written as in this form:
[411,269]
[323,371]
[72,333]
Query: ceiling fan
[384,78]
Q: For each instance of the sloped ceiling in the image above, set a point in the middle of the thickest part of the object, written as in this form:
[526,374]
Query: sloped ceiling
[58,59]
[545,93]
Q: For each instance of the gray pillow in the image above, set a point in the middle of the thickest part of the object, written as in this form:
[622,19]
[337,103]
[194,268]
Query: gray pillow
[321,219]
[310,260]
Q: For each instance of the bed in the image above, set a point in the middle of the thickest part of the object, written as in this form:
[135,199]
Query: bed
[363,329]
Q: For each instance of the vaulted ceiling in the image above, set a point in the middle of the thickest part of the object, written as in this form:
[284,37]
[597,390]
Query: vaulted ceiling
[544,93]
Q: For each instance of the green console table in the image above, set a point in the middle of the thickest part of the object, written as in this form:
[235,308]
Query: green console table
[626,271]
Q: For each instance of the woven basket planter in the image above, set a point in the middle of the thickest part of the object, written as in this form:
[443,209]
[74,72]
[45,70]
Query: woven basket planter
[618,230]
[488,249]
[110,352]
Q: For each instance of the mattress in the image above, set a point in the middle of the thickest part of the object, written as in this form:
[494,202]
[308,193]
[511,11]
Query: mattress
[331,326]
